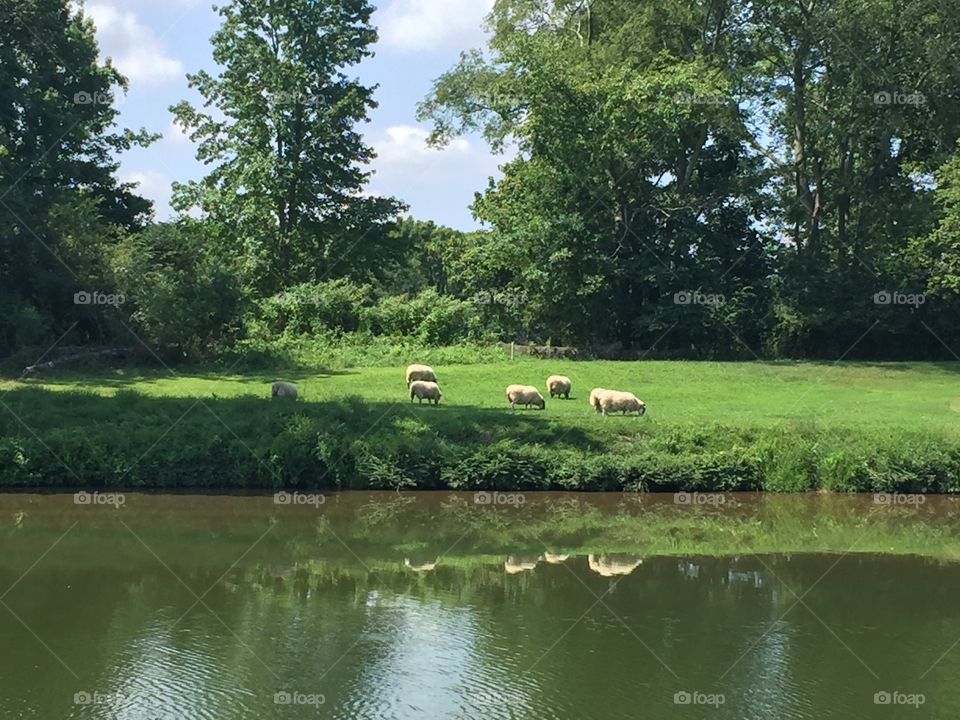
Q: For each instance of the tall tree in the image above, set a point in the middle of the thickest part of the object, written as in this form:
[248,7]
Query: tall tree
[633,181]
[61,204]
[280,130]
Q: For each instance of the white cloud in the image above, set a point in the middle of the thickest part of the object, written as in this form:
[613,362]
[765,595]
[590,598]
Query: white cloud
[154,186]
[136,50]
[176,134]
[432,25]
[438,184]
[407,145]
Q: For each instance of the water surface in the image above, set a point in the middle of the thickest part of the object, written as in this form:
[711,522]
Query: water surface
[444,605]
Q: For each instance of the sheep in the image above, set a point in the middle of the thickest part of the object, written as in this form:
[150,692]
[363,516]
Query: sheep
[595,398]
[420,566]
[554,559]
[420,372]
[423,390]
[517,564]
[609,566]
[526,395]
[616,401]
[283,390]
[559,385]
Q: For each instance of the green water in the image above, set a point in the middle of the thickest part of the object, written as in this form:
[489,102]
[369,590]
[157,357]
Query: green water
[437,605]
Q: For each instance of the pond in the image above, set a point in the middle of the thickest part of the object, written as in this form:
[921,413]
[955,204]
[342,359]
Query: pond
[488,605]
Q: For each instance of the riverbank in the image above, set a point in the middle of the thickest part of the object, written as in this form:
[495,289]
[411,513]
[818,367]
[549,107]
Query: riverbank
[783,427]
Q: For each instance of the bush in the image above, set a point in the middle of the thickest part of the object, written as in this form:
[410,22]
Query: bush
[429,317]
[315,308]
[182,295]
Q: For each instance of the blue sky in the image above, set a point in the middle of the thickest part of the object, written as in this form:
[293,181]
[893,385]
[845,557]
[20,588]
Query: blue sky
[156,43]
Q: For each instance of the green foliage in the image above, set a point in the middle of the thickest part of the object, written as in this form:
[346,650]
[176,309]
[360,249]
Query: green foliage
[315,308]
[62,206]
[288,164]
[184,297]
[429,318]
[753,161]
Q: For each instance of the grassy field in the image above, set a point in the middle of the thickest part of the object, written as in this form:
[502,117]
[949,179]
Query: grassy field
[776,426]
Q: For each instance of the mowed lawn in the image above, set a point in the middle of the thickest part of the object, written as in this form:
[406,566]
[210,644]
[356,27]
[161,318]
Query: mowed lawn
[863,396]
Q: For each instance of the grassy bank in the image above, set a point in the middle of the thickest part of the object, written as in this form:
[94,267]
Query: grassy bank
[709,426]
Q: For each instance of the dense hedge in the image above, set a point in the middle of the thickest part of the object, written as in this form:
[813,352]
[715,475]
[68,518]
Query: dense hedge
[137,441]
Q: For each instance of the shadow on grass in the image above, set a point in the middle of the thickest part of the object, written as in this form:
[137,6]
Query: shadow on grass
[131,378]
[258,422]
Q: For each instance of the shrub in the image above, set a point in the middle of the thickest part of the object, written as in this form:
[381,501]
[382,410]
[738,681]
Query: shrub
[315,308]
[429,317]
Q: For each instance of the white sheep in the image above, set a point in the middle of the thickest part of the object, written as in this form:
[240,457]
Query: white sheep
[559,385]
[420,566]
[595,398]
[515,565]
[420,372]
[554,559]
[423,390]
[609,566]
[283,390]
[526,395]
[611,401]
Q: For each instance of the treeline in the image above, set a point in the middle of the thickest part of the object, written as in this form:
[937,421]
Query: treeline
[706,179]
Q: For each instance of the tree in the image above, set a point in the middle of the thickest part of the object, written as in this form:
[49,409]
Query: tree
[633,181]
[61,206]
[185,298]
[286,186]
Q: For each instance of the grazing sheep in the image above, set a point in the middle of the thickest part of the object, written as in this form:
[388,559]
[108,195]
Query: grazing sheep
[554,559]
[559,385]
[515,565]
[420,566]
[283,390]
[526,395]
[609,566]
[595,398]
[615,401]
[423,390]
[420,372]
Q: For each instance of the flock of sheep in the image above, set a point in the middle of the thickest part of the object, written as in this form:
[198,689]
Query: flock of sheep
[604,565]
[422,385]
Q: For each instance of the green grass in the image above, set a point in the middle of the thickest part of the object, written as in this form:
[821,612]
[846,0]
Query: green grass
[778,426]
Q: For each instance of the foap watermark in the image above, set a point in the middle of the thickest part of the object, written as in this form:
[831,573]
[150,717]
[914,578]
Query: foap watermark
[687,98]
[506,299]
[95,697]
[695,297]
[895,297]
[895,97]
[698,498]
[298,498]
[498,498]
[295,97]
[293,299]
[502,99]
[695,697]
[98,498]
[899,499]
[286,697]
[95,297]
[896,697]
[93,98]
